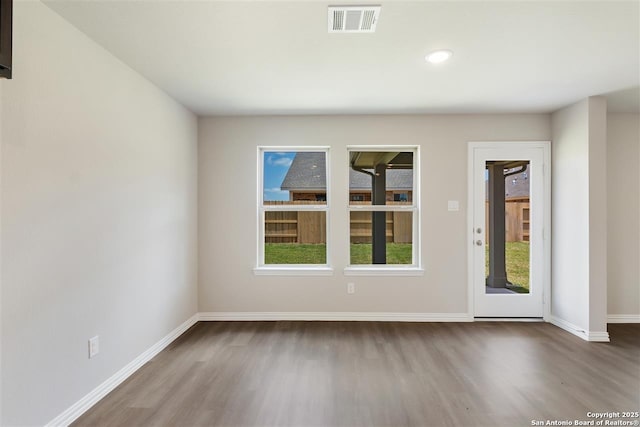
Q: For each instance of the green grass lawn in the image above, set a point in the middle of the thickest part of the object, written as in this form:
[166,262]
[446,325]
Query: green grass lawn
[397,253]
[294,253]
[517,259]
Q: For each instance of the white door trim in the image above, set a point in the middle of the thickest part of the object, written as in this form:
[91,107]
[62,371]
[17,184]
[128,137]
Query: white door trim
[546,233]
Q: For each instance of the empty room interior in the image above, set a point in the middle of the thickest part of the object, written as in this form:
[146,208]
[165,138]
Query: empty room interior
[308,213]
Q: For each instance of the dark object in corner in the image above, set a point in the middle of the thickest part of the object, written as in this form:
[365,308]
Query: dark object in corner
[6,24]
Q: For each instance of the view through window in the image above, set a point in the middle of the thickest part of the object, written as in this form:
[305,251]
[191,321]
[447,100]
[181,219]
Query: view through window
[382,206]
[294,206]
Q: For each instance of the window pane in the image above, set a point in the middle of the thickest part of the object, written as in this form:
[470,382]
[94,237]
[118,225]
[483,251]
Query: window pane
[507,227]
[294,178]
[292,237]
[398,237]
[387,174]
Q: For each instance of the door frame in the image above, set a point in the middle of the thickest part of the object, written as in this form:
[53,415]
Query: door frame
[546,219]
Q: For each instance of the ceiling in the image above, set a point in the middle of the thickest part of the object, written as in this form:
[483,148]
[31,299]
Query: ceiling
[277,57]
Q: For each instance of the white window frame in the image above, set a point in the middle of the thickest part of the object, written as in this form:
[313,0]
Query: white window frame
[291,269]
[415,268]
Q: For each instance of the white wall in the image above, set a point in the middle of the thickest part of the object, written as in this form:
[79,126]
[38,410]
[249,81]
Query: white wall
[623,190]
[570,214]
[597,214]
[579,215]
[98,216]
[227,210]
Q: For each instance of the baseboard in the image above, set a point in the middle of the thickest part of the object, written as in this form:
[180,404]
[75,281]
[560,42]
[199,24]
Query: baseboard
[510,319]
[335,316]
[579,332]
[598,336]
[81,406]
[623,318]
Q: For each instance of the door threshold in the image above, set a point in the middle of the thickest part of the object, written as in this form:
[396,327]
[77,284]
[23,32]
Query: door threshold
[508,319]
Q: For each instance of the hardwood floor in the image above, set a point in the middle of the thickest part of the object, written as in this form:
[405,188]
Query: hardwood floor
[377,374]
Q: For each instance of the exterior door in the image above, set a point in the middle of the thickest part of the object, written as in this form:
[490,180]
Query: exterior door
[509,252]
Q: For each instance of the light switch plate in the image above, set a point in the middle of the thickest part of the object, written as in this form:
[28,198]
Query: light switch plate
[453,205]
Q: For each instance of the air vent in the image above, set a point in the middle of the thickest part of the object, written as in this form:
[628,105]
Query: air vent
[353,19]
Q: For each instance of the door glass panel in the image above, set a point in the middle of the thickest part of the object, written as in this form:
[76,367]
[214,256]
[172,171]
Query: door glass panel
[507,226]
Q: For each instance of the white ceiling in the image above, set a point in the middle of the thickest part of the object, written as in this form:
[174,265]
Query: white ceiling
[276,57]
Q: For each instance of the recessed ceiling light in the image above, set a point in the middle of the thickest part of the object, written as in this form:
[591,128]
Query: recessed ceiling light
[438,56]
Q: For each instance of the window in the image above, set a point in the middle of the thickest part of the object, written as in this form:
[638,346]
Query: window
[383,209]
[293,207]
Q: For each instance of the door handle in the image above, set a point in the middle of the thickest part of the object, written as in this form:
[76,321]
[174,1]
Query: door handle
[478,242]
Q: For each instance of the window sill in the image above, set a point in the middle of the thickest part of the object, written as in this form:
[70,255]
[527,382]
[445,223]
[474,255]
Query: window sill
[293,271]
[383,271]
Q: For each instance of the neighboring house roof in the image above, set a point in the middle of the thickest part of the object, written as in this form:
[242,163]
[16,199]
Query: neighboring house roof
[397,179]
[517,185]
[308,172]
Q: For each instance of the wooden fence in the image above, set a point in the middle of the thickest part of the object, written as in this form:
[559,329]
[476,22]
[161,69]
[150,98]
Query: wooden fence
[295,227]
[399,227]
[516,220]
[310,226]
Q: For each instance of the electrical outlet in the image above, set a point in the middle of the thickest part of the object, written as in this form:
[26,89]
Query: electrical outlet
[94,346]
[351,288]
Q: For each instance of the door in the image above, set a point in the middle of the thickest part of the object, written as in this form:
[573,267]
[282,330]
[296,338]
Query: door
[509,210]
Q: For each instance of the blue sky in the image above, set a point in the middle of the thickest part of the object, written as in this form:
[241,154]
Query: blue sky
[276,165]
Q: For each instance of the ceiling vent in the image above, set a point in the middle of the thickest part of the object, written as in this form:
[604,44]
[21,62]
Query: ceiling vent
[353,19]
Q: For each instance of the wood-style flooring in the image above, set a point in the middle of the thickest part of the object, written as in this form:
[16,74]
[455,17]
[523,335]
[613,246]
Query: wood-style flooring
[377,374]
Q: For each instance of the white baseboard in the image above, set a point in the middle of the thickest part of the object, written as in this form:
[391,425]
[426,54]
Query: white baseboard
[579,332]
[623,318]
[81,406]
[336,316]
[598,336]
[510,319]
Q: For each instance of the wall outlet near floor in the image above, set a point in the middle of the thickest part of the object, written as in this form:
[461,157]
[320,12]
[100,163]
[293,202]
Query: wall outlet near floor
[94,346]
[351,288]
